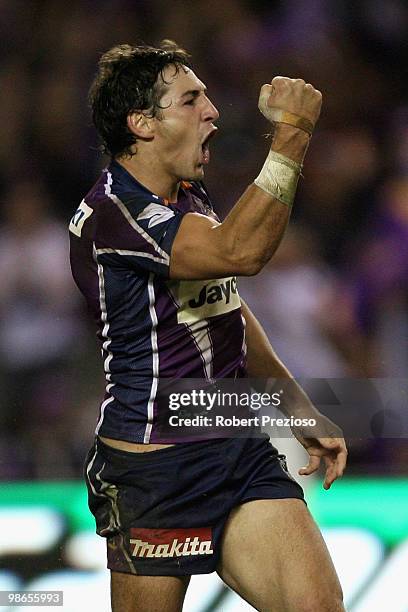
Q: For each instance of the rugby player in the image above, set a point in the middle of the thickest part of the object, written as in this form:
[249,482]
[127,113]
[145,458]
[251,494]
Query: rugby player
[144,242]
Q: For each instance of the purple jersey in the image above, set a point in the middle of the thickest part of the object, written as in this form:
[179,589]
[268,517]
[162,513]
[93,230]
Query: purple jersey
[150,327]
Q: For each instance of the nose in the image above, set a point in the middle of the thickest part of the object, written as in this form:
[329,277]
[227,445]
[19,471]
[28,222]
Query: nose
[210,111]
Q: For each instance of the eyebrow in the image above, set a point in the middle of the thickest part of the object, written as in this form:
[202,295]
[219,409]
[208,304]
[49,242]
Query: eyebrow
[194,92]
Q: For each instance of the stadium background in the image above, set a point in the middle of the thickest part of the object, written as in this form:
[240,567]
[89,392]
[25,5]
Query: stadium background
[333,300]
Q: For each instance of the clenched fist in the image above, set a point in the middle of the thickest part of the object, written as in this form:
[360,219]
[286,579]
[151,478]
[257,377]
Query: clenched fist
[291,101]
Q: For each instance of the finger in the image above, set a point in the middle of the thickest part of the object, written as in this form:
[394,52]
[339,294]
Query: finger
[333,471]
[311,467]
[330,477]
[341,461]
[337,455]
[280,80]
[266,91]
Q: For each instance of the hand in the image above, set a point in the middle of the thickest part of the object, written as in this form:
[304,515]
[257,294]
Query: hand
[290,95]
[331,447]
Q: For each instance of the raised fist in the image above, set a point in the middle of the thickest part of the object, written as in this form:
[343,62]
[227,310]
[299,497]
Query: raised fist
[287,99]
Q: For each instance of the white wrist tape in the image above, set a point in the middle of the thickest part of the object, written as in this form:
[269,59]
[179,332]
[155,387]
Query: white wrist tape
[279,177]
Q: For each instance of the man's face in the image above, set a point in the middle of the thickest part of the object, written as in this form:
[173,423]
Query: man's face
[182,132]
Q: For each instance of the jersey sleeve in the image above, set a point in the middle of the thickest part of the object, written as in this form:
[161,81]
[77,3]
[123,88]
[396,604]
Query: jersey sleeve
[137,233]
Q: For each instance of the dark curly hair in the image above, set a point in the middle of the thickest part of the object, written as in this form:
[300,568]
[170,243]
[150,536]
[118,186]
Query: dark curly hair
[127,81]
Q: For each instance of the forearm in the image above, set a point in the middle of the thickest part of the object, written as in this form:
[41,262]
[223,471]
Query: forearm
[255,226]
[263,364]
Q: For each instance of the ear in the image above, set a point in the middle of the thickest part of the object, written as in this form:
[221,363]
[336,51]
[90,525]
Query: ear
[140,125]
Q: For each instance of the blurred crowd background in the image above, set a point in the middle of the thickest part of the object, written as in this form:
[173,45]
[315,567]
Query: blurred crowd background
[334,299]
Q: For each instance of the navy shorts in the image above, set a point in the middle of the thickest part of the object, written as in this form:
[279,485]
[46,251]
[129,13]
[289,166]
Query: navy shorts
[163,512]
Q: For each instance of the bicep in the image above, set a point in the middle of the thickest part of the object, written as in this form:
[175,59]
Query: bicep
[200,250]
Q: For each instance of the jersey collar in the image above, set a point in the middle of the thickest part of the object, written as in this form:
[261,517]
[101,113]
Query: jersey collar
[123,176]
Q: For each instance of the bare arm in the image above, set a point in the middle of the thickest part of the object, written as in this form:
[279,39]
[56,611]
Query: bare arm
[251,233]
[263,363]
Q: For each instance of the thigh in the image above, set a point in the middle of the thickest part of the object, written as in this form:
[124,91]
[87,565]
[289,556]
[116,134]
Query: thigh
[130,593]
[274,556]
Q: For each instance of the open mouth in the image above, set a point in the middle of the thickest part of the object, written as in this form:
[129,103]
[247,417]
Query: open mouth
[205,147]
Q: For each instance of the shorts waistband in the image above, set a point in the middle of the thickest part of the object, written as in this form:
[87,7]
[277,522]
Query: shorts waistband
[116,455]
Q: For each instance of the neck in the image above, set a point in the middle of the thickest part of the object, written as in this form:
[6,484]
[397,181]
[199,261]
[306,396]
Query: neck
[152,176]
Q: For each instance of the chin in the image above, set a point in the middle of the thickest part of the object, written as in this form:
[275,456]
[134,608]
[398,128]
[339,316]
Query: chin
[195,175]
